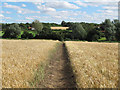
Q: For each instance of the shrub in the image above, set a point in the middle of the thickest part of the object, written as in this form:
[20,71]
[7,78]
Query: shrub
[13,31]
[27,35]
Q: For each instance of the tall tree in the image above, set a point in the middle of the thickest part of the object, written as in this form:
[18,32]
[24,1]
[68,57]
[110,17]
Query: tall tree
[93,35]
[109,30]
[63,23]
[117,25]
[78,31]
[13,31]
[37,25]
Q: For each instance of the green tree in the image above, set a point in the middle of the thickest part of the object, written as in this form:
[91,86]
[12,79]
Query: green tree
[13,31]
[37,25]
[79,32]
[109,30]
[46,29]
[93,35]
[88,26]
[27,35]
[117,35]
[23,26]
[63,23]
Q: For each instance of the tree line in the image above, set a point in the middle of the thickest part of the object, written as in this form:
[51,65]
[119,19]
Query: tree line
[77,31]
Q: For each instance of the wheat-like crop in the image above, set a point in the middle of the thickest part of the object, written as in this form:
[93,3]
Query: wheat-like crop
[62,28]
[0,64]
[95,64]
[21,58]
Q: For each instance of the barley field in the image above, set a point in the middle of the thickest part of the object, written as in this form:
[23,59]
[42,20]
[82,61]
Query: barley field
[62,28]
[94,64]
[0,64]
[20,59]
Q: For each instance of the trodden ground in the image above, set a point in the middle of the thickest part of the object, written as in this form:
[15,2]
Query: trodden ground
[59,73]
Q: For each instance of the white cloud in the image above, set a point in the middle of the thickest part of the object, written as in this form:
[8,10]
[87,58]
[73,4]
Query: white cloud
[108,13]
[11,6]
[31,18]
[101,0]
[76,16]
[50,7]
[19,9]
[58,17]
[44,8]
[22,0]
[58,0]
[50,14]
[96,4]
[28,18]
[7,18]
[22,21]
[1,15]
[61,5]
[81,3]
[110,8]
[23,5]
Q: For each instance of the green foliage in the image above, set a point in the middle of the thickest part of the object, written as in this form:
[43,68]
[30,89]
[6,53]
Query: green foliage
[102,39]
[1,33]
[12,32]
[115,22]
[24,26]
[51,35]
[79,32]
[117,35]
[93,35]
[106,31]
[109,30]
[27,35]
[37,25]
[88,26]
[4,26]
[46,29]
[63,23]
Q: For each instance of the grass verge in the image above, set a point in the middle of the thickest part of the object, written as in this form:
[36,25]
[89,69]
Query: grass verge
[39,74]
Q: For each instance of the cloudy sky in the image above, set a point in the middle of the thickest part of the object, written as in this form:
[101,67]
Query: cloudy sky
[94,11]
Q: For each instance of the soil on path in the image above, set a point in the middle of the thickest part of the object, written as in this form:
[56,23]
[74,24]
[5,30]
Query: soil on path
[59,73]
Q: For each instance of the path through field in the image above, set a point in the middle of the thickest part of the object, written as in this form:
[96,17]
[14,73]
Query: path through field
[59,73]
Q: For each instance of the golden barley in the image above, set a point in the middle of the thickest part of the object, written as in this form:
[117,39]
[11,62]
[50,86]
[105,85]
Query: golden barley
[95,64]
[20,58]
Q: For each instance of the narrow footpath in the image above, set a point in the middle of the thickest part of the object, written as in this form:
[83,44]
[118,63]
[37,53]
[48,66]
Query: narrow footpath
[59,73]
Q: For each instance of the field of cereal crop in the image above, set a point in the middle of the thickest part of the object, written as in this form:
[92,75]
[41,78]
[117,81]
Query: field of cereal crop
[20,59]
[95,65]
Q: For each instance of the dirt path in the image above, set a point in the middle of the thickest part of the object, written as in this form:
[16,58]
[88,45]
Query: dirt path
[59,73]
